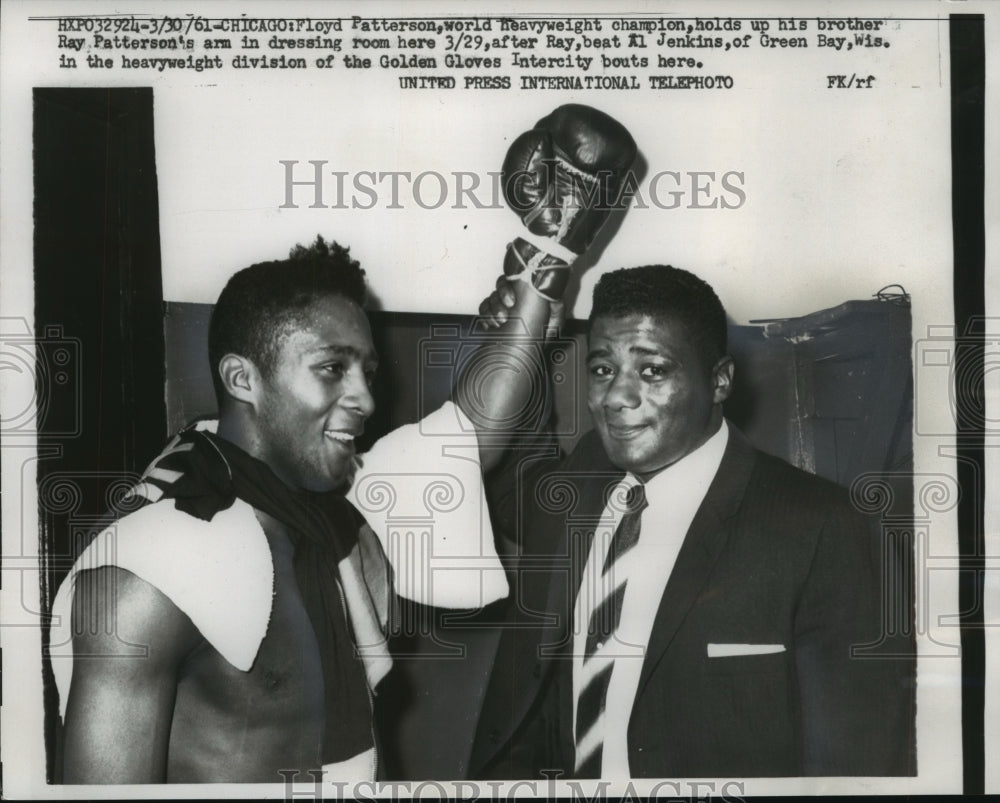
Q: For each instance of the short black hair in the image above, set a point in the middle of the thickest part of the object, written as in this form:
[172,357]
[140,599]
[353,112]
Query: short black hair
[261,303]
[663,290]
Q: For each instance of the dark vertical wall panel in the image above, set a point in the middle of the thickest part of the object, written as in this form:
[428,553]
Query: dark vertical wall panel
[98,313]
[968,83]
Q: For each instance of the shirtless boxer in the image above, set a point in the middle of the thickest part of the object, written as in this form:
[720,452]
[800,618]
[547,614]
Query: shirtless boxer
[248,595]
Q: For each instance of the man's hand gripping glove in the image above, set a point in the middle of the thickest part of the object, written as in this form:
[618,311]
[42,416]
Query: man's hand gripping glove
[564,178]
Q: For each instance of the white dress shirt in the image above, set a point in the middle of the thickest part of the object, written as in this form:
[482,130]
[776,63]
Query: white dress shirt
[674,496]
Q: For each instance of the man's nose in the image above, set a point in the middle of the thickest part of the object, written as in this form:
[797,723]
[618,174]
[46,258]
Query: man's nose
[358,396]
[622,393]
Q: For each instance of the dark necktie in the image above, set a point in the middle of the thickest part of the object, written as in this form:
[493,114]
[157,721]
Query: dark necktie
[603,623]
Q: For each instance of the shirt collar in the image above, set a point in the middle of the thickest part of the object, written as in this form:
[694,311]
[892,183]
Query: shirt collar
[695,470]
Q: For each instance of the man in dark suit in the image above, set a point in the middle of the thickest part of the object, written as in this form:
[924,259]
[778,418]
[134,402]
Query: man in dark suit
[684,604]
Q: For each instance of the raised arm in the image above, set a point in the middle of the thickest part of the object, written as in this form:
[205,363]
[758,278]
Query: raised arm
[121,701]
[563,179]
[494,397]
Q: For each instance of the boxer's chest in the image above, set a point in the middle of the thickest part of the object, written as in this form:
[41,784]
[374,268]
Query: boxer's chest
[285,682]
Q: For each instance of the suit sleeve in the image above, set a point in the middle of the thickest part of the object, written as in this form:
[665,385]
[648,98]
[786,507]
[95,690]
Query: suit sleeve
[510,487]
[854,674]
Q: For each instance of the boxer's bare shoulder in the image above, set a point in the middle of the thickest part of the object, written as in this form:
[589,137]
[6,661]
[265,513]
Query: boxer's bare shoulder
[129,641]
[180,712]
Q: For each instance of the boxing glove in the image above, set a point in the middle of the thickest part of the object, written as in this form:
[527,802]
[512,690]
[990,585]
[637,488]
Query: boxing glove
[563,178]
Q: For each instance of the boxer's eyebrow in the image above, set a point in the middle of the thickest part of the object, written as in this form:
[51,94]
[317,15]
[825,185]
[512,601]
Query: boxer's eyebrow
[348,351]
[642,351]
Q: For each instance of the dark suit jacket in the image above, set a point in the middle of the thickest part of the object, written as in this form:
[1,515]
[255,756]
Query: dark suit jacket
[773,556]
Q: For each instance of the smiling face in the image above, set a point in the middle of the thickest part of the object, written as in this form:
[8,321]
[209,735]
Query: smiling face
[651,394]
[315,401]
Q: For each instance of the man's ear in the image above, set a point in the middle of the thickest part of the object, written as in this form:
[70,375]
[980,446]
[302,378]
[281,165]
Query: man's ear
[722,379]
[240,378]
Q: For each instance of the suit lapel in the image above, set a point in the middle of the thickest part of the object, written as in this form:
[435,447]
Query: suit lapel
[702,546]
[593,487]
